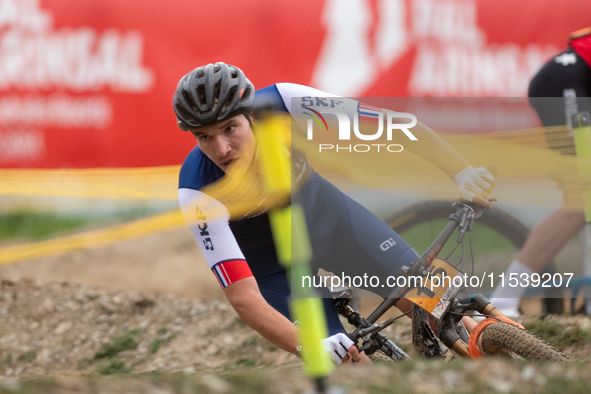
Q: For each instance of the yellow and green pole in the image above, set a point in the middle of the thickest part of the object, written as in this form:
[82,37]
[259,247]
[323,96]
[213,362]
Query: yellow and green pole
[582,136]
[293,244]
[582,133]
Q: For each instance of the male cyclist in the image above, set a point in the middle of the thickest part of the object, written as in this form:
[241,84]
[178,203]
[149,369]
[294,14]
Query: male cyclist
[216,103]
[560,89]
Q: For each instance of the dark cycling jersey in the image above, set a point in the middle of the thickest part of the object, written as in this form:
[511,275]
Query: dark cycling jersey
[566,76]
[346,238]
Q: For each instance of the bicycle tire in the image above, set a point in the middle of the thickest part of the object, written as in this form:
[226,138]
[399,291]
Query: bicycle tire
[503,335]
[501,223]
[380,357]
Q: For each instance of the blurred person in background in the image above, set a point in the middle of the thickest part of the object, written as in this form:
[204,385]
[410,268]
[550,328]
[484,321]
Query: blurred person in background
[566,77]
[216,103]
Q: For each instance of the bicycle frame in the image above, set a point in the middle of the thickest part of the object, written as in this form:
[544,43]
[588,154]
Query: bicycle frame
[420,265]
[448,322]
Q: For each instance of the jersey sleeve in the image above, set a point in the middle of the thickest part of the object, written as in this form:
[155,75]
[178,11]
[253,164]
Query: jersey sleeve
[304,102]
[298,98]
[208,220]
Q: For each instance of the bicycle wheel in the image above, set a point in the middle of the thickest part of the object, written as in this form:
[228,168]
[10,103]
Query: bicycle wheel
[497,238]
[503,335]
[380,357]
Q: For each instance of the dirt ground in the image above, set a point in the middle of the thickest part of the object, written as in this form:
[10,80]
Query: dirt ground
[166,263]
[151,305]
[59,310]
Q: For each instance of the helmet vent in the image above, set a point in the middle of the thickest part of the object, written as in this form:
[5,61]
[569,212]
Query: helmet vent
[246,93]
[231,97]
[187,98]
[201,94]
[217,88]
[184,113]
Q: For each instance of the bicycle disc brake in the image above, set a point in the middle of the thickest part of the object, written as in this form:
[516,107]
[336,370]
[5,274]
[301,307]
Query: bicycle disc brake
[423,337]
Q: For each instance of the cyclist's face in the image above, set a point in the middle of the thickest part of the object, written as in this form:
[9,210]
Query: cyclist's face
[228,142]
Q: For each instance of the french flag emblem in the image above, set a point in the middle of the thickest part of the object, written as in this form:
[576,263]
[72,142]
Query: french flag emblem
[230,271]
[367,112]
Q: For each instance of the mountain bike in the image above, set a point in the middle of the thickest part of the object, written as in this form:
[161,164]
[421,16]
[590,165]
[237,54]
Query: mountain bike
[442,305]
[497,238]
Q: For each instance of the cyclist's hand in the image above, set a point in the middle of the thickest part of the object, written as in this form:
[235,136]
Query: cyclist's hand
[356,357]
[340,346]
[475,184]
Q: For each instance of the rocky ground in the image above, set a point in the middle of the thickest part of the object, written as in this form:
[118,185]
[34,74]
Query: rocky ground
[66,329]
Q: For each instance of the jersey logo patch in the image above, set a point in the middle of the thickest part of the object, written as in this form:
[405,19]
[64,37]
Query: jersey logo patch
[566,58]
[387,244]
[203,229]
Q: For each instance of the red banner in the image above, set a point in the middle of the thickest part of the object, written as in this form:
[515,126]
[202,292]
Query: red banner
[90,84]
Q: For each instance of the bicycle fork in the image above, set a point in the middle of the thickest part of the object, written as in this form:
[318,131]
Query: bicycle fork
[372,339]
[477,302]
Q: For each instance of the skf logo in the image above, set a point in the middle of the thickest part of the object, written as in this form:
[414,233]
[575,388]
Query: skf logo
[363,113]
[203,229]
[387,244]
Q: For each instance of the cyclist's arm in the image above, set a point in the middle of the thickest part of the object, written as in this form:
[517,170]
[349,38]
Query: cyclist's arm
[431,147]
[208,220]
[297,100]
[253,309]
[473,183]
[247,301]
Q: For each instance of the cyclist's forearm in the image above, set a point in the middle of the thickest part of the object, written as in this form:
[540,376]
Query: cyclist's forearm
[262,317]
[431,147]
[272,325]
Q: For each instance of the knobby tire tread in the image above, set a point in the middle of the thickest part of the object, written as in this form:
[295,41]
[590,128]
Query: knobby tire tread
[380,357]
[503,335]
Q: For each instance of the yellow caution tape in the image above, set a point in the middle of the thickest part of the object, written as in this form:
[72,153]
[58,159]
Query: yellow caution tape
[138,228]
[114,183]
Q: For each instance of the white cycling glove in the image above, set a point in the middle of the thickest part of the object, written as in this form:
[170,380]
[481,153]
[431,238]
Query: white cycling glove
[473,181]
[338,346]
